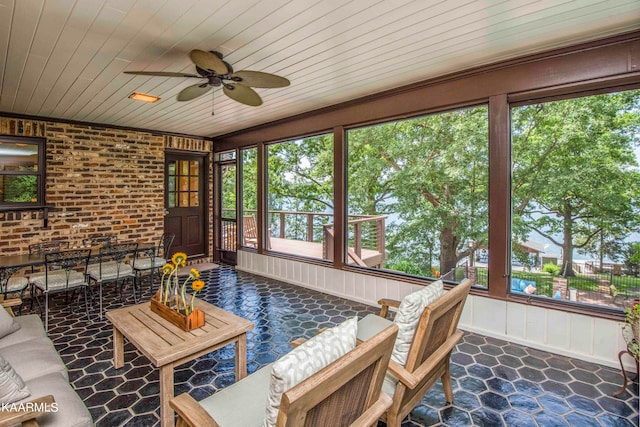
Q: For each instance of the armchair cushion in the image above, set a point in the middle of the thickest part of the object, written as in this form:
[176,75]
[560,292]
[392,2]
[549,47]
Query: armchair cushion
[12,388]
[408,316]
[7,323]
[306,360]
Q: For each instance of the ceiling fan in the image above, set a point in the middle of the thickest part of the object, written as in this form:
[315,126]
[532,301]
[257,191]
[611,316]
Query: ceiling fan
[236,85]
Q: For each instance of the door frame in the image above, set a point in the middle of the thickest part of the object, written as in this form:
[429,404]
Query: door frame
[206,190]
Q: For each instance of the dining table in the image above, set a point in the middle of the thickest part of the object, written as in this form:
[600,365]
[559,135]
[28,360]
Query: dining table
[9,264]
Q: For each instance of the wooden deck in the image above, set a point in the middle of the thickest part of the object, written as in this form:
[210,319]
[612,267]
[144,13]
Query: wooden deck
[314,250]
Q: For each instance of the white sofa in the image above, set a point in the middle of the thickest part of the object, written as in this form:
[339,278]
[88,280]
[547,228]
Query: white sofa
[31,354]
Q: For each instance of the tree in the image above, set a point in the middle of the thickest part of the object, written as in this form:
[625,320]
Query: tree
[632,258]
[575,172]
[300,179]
[431,175]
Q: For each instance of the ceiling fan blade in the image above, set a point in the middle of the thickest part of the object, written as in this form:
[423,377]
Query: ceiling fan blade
[242,94]
[193,91]
[161,74]
[208,61]
[260,79]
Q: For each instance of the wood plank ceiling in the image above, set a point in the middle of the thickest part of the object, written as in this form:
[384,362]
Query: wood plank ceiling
[65,58]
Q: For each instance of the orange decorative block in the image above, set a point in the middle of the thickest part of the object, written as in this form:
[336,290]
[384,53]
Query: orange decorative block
[193,320]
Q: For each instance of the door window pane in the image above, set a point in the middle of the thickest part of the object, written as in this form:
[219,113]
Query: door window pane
[228,177]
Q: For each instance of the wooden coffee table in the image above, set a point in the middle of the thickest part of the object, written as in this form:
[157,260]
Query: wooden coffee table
[167,346]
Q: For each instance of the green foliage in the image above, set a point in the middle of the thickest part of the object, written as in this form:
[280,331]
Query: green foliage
[521,255]
[409,267]
[20,188]
[249,160]
[300,175]
[553,269]
[632,258]
[228,178]
[431,175]
[575,172]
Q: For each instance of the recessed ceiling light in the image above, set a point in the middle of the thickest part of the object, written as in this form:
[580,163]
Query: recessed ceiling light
[143,97]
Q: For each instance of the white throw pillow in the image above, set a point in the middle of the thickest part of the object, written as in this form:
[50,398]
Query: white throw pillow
[7,324]
[307,359]
[12,387]
[407,317]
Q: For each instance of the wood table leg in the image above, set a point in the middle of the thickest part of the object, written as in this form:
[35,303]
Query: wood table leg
[241,357]
[118,348]
[166,394]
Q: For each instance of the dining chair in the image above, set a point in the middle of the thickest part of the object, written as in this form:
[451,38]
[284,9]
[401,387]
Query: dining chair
[104,240]
[42,248]
[326,381]
[153,258]
[64,271]
[110,265]
[10,284]
[13,284]
[428,322]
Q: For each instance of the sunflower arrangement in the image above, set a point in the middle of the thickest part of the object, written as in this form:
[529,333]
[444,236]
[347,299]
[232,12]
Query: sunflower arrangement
[172,293]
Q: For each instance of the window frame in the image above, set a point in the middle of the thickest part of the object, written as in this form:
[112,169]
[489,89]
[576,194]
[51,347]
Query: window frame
[40,174]
[263,195]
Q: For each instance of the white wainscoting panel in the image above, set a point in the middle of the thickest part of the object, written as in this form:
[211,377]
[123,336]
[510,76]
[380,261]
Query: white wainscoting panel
[574,335]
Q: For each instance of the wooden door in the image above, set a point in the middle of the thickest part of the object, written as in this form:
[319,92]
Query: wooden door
[185,202]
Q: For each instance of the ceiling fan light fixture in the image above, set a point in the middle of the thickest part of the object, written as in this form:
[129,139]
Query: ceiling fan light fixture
[237,85]
[138,96]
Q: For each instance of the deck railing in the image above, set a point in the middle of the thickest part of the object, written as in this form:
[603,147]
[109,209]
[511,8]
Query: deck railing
[364,231]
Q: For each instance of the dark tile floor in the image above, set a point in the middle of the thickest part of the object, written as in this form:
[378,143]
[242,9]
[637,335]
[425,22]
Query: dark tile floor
[495,382]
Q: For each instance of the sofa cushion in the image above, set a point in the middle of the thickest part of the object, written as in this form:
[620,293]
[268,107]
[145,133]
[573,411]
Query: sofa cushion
[34,358]
[70,411]
[12,387]
[408,315]
[7,323]
[307,359]
[29,327]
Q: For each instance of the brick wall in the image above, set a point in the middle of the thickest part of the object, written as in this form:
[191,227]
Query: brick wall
[99,180]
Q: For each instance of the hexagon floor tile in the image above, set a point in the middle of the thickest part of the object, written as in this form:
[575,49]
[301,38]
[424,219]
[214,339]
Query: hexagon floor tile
[496,383]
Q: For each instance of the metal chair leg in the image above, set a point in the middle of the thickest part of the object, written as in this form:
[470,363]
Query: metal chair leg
[86,303]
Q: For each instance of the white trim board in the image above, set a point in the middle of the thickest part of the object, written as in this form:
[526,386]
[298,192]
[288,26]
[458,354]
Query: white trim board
[579,336]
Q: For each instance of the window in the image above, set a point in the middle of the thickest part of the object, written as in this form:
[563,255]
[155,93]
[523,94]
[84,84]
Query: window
[249,158]
[576,199]
[21,172]
[300,196]
[418,195]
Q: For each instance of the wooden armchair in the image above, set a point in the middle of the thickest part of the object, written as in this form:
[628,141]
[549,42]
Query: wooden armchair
[249,231]
[346,392]
[436,335]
